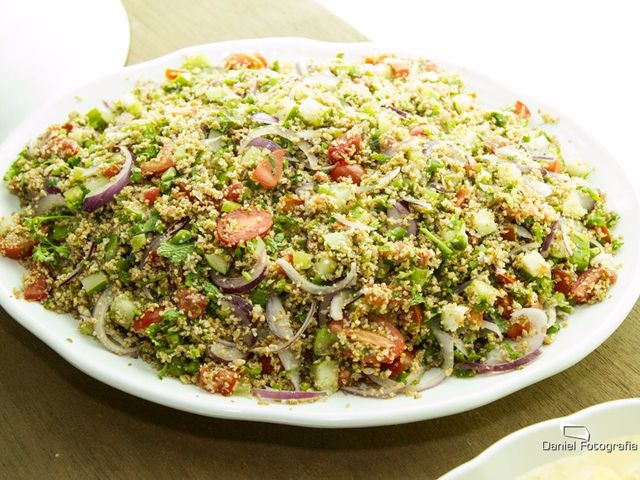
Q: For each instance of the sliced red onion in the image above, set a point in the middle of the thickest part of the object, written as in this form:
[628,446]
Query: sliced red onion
[546,158]
[49,202]
[284,133]
[242,309]
[390,386]
[398,111]
[424,381]
[522,248]
[239,284]
[310,316]
[402,146]
[287,394]
[499,367]
[523,232]
[312,288]
[381,182]
[539,187]
[446,346]
[460,288]
[225,351]
[351,224]
[364,390]
[99,327]
[438,187]
[74,273]
[565,241]
[538,320]
[278,319]
[292,366]
[457,154]
[324,309]
[264,143]
[586,201]
[399,211]
[417,202]
[155,243]
[492,327]
[103,195]
[546,244]
[262,117]
[340,301]
[48,187]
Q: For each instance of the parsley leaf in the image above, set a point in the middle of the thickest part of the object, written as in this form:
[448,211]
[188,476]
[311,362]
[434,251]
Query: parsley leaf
[175,253]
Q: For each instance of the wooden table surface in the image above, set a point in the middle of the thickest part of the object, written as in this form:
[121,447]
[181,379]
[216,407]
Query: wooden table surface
[59,423]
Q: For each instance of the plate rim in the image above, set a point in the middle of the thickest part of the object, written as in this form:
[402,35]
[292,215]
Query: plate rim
[297,415]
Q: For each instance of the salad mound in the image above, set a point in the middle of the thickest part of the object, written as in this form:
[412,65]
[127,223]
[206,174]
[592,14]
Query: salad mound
[289,231]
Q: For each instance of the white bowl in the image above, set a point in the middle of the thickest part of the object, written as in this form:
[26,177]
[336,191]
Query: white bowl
[524,450]
[589,327]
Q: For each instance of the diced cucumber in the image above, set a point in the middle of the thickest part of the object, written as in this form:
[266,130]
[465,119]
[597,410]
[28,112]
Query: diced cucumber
[301,260]
[217,262]
[325,267]
[94,282]
[229,206]
[323,342]
[138,242]
[325,375]
[123,311]
[74,197]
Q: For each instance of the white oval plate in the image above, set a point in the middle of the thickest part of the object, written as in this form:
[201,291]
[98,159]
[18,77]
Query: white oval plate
[522,451]
[588,329]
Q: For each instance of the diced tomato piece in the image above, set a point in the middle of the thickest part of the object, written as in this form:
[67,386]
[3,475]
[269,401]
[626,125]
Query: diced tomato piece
[399,68]
[509,234]
[173,73]
[147,318]
[267,366]
[344,377]
[504,278]
[462,196]
[36,288]
[191,303]
[290,202]
[415,131]
[344,148]
[18,251]
[269,172]
[389,346]
[505,306]
[522,110]
[151,195]
[335,326]
[243,225]
[217,379]
[584,289]
[233,192]
[517,329]
[416,315]
[111,170]
[62,147]
[563,280]
[554,165]
[237,60]
[375,59]
[401,364]
[163,162]
[353,171]
[604,233]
